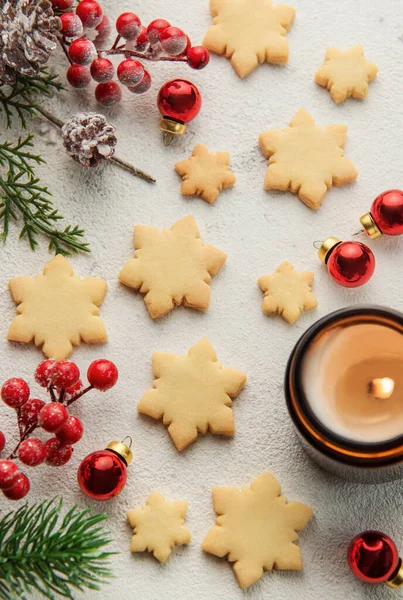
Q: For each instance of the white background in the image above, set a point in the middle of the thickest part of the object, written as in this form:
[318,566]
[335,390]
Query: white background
[258,230]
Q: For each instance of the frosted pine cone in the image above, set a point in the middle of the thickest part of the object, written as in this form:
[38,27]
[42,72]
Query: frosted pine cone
[27,37]
[89,139]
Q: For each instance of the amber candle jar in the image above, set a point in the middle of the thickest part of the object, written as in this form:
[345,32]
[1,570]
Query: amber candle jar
[344,393]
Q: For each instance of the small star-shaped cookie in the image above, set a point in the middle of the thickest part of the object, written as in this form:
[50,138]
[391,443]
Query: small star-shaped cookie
[172,267]
[346,74]
[159,526]
[288,292]
[57,309]
[256,529]
[306,158]
[249,32]
[192,394]
[205,173]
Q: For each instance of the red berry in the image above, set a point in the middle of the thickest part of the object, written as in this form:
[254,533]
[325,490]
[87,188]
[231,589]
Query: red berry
[82,51]
[43,372]
[103,29]
[73,391]
[30,411]
[53,416]
[71,25]
[32,452]
[19,489]
[142,40]
[173,40]
[102,70]
[78,76]
[57,454]
[143,86]
[188,46]
[128,25]
[198,57]
[65,374]
[130,72]
[62,4]
[2,441]
[90,13]
[108,94]
[155,29]
[71,432]
[15,392]
[102,374]
[9,473]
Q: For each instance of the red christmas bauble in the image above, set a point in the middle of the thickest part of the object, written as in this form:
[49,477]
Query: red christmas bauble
[351,264]
[102,475]
[373,557]
[387,212]
[179,100]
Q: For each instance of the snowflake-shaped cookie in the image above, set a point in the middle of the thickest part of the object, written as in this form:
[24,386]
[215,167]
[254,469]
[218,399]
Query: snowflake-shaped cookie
[192,394]
[256,529]
[346,74]
[57,309]
[158,526]
[249,32]
[306,158]
[172,267]
[288,292]
[205,173]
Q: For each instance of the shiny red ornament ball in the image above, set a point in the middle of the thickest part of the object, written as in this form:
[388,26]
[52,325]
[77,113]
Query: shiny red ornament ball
[102,475]
[387,212]
[128,25]
[79,76]
[102,374]
[155,29]
[180,100]
[57,454]
[2,441]
[32,452]
[15,392]
[9,473]
[90,13]
[72,25]
[373,557]
[52,417]
[351,264]
[198,57]
[20,489]
[108,94]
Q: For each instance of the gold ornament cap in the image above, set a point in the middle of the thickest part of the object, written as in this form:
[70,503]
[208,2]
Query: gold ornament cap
[326,248]
[370,227]
[122,450]
[171,126]
[397,579]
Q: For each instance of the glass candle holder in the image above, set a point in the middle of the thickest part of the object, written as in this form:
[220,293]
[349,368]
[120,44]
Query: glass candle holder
[344,393]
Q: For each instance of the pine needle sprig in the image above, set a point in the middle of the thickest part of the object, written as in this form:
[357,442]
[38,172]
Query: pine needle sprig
[21,193]
[41,551]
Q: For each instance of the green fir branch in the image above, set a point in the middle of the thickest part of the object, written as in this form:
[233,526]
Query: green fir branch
[41,551]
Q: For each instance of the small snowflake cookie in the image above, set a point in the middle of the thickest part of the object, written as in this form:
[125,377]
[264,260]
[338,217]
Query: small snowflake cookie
[346,74]
[249,32]
[288,292]
[256,529]
[205,173]
[172,267]
[57,309]
[306,158]
[192,394]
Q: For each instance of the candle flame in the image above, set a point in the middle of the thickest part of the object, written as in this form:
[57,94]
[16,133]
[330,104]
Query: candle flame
[381,388]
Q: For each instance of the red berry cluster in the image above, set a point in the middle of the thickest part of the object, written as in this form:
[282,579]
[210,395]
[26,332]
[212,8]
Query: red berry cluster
[158,41]
[62,380]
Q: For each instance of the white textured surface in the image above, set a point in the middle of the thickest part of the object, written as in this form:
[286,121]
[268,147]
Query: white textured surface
[258,230]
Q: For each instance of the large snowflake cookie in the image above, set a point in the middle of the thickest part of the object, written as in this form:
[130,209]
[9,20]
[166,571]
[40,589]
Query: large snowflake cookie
[205,173]
[288,292]
[192,394]
[57,309]
[249,32]
[346,74]
[256,529]
[158,526]
[306,158]
[172,267]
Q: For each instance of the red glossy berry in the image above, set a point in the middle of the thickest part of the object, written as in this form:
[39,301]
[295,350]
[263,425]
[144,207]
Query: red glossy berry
[373,557]
[32,452]
[198,57]
[78,76]
[108,94]
[90,13]
[9,473]
[179,100]
[20,489]
[351,264]
[62,4]
[128,25]
[71,25]
[82,51]
[142,41]
[30,411]
[173,40]
[188,46]
[387,212]
[102,70]
[102,374]
[73,391]
[155,29]
[2,441]
[53,416]
[130,72]
[65,374]
[43,372]
[144,84]
[57,454]
[103,31]
[71,432]
[15,392]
